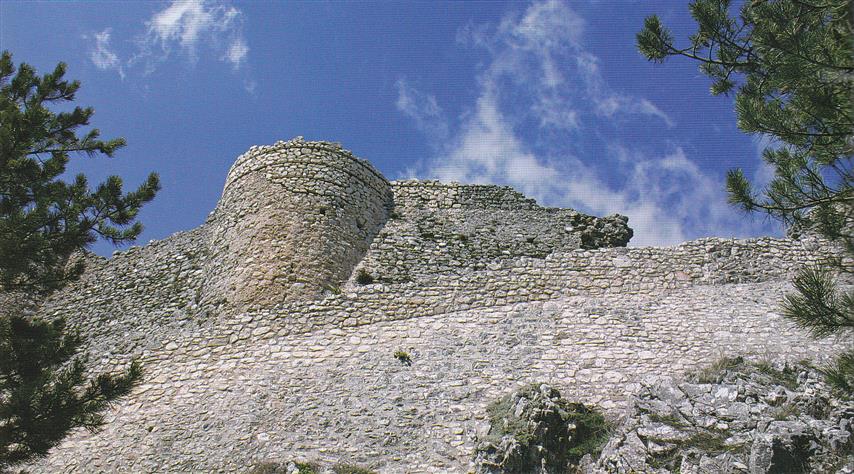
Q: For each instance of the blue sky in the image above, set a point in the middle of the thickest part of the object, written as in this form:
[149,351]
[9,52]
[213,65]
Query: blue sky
[550,97]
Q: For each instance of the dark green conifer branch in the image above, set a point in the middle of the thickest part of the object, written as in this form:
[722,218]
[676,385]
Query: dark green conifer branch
[790,64]
[45,390]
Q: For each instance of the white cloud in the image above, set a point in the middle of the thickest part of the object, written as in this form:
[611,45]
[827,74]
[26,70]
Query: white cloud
[181,21]
[423,110]
[607,103]
[237,52]
[250,86]
[555,112]
[667,198]
[191,27]
[102,54]
[538,69]
[191,24]
[544,27]
[487,151]
[617,104]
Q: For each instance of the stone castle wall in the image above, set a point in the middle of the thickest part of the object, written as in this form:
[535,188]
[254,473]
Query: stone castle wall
[294,218]
[442,229]
[483,288]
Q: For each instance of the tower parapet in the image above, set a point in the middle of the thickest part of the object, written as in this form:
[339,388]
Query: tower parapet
[294,218]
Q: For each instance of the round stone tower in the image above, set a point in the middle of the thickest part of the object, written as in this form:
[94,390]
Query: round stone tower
[294,219]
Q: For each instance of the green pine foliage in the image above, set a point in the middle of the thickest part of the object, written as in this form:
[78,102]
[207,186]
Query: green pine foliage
[818,305]
[790,66]
[43,220]
[44,388]
[45,393]
[840,374]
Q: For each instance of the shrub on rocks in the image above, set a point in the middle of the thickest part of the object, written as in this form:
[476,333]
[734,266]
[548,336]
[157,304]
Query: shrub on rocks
[535,430]
[364,278]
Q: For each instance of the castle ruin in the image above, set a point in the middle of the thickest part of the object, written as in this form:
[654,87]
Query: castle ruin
[269,332]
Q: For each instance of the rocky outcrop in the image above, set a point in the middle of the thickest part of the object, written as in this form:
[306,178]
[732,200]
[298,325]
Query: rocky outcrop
[735,417]
[534,430]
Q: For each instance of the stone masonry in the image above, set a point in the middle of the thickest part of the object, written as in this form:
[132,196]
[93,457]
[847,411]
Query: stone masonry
[294,218]
[269,333]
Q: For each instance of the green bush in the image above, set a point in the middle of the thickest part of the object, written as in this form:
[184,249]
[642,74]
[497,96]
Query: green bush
[269,468]
[715,372]
[558,433]
[403,357]
[591,430]
[363,277]
[787,376]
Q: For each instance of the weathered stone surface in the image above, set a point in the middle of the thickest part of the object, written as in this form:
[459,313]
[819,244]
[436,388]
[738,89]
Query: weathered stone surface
[258,343]
[294,219]
[784,447]
[791,423]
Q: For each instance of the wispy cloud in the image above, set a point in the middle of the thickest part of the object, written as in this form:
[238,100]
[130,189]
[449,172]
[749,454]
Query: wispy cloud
[191,28]
[619,104]
[237,52]
[537,70]
[192,24]
[423,110]
[102,54]
[610,104]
